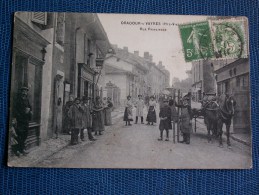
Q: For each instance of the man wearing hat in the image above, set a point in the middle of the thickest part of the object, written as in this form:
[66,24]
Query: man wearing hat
[165,120]
[185,120]
[86,119]
[139,111]
[75,114]
[22,114]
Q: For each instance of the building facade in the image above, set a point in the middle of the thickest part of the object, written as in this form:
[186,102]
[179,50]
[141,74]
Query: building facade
[233,79]
[203,78]
[32,67]
[135,75]
[127,71]
[59,55]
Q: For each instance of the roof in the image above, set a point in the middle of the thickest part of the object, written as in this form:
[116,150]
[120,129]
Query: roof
[109,69]
[131,58]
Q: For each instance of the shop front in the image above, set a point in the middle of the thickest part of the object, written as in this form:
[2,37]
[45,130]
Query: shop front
[86,76]
[27,71]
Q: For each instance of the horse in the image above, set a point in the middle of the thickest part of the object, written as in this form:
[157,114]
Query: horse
[217,113]
[226,112]
[211,117]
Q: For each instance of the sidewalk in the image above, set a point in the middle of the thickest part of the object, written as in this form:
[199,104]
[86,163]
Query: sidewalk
[51,146]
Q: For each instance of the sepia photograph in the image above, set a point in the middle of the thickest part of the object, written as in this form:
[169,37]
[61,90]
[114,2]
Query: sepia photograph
[131,91]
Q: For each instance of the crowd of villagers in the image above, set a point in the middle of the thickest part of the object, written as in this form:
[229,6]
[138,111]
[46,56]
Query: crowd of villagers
[85,115]
[168,113]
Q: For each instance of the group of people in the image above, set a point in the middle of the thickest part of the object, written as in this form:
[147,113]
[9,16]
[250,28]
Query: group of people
[140,105]
[167,114]
[79,115]
[93,117]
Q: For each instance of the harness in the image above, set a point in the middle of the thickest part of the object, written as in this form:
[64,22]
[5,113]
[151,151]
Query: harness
[223,114]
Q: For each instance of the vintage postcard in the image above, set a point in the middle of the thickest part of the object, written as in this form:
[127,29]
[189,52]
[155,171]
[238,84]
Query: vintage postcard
[129,91]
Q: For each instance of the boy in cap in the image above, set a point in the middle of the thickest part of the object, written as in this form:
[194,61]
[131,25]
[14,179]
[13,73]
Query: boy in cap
[165,120]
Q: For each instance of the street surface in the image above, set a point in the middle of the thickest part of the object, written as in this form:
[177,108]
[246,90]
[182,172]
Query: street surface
[137,146]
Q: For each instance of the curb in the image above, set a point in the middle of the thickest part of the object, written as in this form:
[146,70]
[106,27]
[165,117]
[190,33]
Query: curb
[240,140]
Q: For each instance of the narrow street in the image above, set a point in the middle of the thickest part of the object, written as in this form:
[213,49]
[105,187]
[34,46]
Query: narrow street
[137,146]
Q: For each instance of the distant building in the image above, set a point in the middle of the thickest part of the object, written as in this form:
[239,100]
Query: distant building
[158,77]
[134,74]
[203,78]
[127,71]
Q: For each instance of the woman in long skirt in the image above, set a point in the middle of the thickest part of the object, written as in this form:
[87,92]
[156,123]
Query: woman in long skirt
[98,116]
[128,111]
[151,116]
[108,111]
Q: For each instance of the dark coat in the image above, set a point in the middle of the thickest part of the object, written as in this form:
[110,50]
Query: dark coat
[75,114]
[20,114]
[98,118]
[186,116]
[165,111]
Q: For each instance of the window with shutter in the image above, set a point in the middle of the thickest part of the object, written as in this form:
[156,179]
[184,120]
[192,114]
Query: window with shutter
[39,17]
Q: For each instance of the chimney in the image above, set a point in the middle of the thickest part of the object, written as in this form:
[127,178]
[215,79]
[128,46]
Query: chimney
[146,55]
[136,53]
[115,46]
[125,49]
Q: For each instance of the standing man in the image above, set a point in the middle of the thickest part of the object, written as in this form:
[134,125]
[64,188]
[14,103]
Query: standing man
[66,120]
[23,114]
[139,111]
[186,117]
[86,120]
[75,115]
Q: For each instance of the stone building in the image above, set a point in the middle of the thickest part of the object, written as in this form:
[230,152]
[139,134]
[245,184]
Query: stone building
[134,74]
[203,78]
[59,55]
[127,71]
[32,66]
[232,78]
[158,77]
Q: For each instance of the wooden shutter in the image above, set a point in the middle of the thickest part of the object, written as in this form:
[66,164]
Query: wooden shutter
[39,17]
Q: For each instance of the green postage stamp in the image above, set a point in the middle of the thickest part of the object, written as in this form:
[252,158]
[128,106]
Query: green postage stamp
[214,39]
[196,41]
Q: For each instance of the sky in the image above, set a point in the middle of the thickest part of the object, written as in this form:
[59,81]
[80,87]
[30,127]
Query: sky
[165,46]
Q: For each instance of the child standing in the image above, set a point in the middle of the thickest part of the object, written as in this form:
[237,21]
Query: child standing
[165,120]
[14,139]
